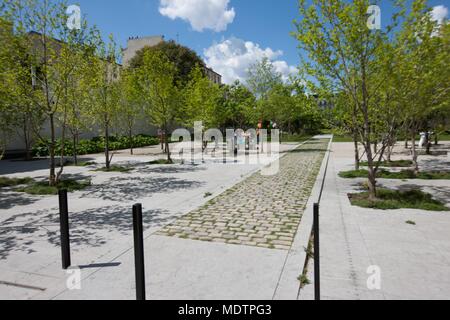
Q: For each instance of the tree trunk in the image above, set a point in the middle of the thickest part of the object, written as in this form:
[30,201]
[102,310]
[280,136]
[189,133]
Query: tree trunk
[26,137]
[130,134]
[357,159]
[372,182]
[436,139]
[51,149]
[428,142]
[414,152]
[167,147]
[75,148]
[406,143]
[107,158]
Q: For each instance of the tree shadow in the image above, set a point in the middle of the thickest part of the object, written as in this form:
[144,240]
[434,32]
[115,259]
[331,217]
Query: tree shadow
[21,166]
[440,193]
[91,228]
[168,169]
[10,200]
[132,188]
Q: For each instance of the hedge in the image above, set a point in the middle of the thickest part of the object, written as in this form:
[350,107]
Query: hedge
[95,145]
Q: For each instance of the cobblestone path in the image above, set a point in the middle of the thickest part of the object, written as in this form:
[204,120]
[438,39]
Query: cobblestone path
[262,211]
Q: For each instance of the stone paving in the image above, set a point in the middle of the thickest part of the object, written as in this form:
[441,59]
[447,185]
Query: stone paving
[261,211]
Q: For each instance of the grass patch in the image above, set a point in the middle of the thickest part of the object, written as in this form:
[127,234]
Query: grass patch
[115,169]
[208,194]
[393,199]
[402,175]
[43,188]
[80,164]
[160,162]
[12,182]
[392,164]
[304,281]
[342,138]
[294,138]
[444,137]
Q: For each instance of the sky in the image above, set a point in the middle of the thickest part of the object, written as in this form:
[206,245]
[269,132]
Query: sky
[229,35]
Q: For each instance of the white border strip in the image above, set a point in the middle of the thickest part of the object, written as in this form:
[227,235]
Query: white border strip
[288,287]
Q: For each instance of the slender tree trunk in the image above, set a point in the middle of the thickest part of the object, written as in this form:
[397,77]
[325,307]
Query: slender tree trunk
[107,158]
[167,147]
[130,135]
[75,148]
[26,137]
[356,146]
[436,139]
[52,178]
[428,142]
[414,152]
[389,153]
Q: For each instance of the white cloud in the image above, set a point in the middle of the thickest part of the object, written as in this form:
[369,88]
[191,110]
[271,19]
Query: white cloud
[201,14]
[439,13]
[232,58]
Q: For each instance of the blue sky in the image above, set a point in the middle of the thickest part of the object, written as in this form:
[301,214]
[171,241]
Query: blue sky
[228,34]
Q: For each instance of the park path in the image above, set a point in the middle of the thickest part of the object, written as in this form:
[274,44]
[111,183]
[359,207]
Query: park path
[262,211]
[228,266]
[225,265]
[413,260]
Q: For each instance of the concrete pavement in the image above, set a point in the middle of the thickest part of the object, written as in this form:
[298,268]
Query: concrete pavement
[414,260]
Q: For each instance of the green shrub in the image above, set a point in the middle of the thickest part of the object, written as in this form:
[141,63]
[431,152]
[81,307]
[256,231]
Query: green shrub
[10,182]
[95,145]
[402,175]
[43,188]
[394,199]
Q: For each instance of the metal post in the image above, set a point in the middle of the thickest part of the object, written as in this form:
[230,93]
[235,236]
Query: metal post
[139,252]
[316,253]
[64,224]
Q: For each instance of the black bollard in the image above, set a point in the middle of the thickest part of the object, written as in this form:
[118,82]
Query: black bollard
[139,252]
[316,253]
[64,225]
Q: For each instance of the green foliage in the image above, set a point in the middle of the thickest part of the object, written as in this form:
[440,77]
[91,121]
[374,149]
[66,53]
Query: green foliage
[237,107]
[96,145]
[294,137]
[262,77]
[402,175]
[393,164]
[43,188]
[184,59]
[201,98]
[11,182]
[393,199]
[119,169]
[160,162]
[160,98]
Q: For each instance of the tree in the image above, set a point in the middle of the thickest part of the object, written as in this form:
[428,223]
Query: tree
[201,98]
[344,55]
[160,98]
[424,70]
[105,91]
[237,107]
[129,107]
[184,59]
[7,116]
[262,77]
[23,116]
